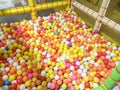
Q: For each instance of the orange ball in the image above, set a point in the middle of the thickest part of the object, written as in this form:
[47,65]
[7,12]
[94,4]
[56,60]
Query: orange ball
[38,82]
[54,81]
[25,78]
[59,82]
[33,84]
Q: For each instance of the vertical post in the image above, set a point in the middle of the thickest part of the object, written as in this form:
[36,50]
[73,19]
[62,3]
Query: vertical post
[69,3]
[101,13]
[33,10]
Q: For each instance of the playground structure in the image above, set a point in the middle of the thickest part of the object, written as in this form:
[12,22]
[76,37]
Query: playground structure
[98,16]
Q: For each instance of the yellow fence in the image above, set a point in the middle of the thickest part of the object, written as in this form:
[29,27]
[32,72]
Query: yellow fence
[33,8]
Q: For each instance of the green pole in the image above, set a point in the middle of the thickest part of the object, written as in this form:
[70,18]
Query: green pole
[111,81]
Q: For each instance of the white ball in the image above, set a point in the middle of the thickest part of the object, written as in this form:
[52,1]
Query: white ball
[15,64]
[81,86]
[72,68]
[84,70]
[48,85]
[2,69]
[5,77]
[5,88]
[22,87]
[34,88]
[7,69]
[21,39]
[96,64]
[56,68]
[67,57]
[18,50]
[92,61]
[77,63]
[46,60]
[112,54]
[114,48]
[35,49]
[57,77]
[74,82]
[22,61]
[108,56]
[81,66]
[43,73]
[108,43]
[9,36]
[18,67]
[79,71]
[107,52]
[95,53]
[83,74]
[95,85]
[85,59]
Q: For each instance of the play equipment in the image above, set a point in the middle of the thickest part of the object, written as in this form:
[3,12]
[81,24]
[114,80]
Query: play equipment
[111,80]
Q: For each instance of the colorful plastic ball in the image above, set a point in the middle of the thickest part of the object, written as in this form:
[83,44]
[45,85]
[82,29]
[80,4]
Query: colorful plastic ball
[87,84]
[30,75]
[13,86]
[52,86]
[7,82]
[19,81]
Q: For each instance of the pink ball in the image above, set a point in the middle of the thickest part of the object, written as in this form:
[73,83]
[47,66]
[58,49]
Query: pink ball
[67,65]
[74,77]
[27,46]
[52,86]
[30,75]
[6,64]
[75,59]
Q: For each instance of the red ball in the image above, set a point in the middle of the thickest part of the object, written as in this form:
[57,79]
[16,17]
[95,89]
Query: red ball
[87,84]
[19,81]
[98,75]
[108,67]
[106,62]
[13,86]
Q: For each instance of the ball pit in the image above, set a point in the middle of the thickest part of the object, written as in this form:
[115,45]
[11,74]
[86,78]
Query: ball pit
[54,52]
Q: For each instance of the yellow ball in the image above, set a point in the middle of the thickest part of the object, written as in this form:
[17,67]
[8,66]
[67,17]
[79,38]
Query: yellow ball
[44,83]
[39,87]
[76,87]
[92,73]
[1,51]
[5,56]
[102,73]
[12,78]
[66,75]
[19,72]
[46,69]
[10,51]
[51,76]
[28,83]
[10,47]
[34,79]
[2,65]
[86,78]
[64,86]
[96,79]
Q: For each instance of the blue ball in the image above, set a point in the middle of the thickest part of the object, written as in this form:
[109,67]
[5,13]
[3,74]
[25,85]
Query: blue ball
[69,44]
[7,82]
